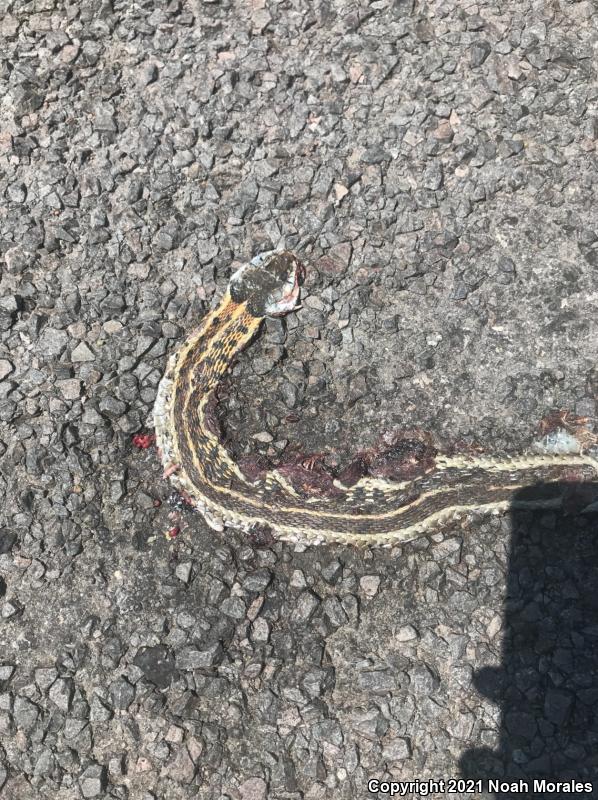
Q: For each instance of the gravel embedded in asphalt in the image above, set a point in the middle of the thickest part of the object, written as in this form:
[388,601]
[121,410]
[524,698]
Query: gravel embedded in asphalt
[435,168]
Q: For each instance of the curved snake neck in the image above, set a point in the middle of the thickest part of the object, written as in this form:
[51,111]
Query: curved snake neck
[369,510]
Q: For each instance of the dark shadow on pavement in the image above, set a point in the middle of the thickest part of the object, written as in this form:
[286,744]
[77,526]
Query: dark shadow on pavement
[547,683]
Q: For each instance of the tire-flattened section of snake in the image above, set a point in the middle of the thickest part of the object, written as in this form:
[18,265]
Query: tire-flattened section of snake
[377,500]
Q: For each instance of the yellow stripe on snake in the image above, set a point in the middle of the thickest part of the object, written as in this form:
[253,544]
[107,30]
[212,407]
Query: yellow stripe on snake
[360,508]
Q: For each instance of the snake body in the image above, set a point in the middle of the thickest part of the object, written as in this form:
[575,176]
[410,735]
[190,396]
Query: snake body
[366,510]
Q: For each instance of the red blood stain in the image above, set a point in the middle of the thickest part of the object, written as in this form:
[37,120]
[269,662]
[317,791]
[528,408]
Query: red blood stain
[143,440]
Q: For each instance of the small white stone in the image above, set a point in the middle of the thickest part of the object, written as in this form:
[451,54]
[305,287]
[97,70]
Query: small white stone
[264,437]
[70,389]
[82,353]
[298,579]
[406,633]
[253,789]
[260,630]
[183,571]
[494,626]
[5,368]
[370,585]
[113,326]
[174,734]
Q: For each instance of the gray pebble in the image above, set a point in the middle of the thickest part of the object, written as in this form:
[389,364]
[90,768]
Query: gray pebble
[190,658]
[233,607]
[396,750]
[26,713]
[479,53]
[92,781]
[61,693]
[157,665]
[305,607]
[53,342]
[122,693]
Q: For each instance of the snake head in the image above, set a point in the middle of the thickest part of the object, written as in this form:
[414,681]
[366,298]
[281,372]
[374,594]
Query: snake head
[269,284]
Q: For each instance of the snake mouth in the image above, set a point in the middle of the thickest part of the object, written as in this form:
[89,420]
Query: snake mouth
[289,297]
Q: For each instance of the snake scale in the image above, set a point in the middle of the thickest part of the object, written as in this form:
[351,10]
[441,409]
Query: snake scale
[305,504]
